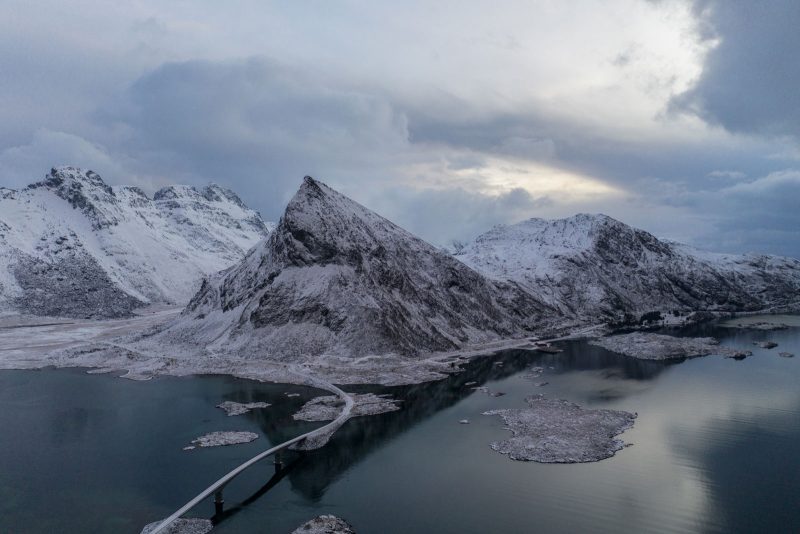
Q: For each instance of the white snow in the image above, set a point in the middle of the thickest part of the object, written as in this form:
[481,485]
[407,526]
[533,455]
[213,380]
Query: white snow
[223,438]
[325,524]
[329,407]
[156,250]
[649,346]
[558,431]
[183,526]
[592,265]
[238,408]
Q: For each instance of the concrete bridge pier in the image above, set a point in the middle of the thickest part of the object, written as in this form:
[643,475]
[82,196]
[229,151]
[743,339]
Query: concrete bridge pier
[219,502]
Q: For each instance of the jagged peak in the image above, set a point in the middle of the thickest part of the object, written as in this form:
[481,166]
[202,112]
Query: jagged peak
[321,225]
[586,219]
[73,178]
[6,192]
[84,190]
[316,203]
[212,192]
[216,193]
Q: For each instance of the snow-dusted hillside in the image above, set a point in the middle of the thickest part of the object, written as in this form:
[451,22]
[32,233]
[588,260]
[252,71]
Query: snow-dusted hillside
[71,245]
[335,278]
[595,267]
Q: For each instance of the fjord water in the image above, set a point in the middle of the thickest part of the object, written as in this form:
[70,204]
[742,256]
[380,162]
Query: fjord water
[716,448]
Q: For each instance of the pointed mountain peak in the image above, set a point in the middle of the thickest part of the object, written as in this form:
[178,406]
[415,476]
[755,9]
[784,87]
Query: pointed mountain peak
[323,225]
[65,178]
[314,189]
[216,193]
[84,190]
[337,277]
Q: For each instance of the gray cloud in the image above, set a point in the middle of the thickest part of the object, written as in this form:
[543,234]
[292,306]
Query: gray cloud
[20,165]
[417,128]
[761,214]
[749,80]
[256,125]
[444,215]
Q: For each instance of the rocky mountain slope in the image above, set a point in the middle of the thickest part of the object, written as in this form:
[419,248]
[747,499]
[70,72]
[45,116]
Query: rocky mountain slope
[71,245]
[334,278]
[593,267]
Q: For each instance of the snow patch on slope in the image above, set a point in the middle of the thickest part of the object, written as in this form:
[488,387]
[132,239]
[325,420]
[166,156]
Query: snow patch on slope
[135,249]
[593,266]
[336,280]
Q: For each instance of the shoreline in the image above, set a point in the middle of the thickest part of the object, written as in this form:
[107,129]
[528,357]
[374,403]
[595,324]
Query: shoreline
[99,346]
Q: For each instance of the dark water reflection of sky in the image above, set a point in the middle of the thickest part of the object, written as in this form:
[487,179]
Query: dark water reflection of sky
[716,449]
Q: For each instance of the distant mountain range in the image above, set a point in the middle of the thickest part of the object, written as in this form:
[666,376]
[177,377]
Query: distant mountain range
[334,278]
[73,246]
[595,268]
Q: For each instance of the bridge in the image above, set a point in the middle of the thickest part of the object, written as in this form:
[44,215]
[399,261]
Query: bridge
[308,441]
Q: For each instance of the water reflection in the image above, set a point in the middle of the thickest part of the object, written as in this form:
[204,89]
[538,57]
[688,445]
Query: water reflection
[750,463]
[581,356]
[361,436]
[716,450]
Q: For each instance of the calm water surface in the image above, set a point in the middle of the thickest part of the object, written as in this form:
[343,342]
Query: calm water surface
[716,449]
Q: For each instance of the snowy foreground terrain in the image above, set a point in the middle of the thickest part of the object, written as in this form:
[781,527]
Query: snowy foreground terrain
[72,246]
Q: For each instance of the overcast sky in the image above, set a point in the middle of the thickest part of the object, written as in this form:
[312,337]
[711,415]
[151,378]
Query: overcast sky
[680,117]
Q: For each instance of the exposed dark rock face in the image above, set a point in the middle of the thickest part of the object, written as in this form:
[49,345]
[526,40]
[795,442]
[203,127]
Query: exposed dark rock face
[84,191]
[593,267]
[334,277]
[74,286]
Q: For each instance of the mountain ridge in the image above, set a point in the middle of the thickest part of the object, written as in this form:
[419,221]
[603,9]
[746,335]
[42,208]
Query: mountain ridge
[72,245]
[335,278]
[594,266]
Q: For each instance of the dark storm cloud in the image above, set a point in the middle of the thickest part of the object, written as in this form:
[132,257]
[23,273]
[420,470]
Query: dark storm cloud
[257,125]
[433,121]
[761,215]
[750,79]
[634,165]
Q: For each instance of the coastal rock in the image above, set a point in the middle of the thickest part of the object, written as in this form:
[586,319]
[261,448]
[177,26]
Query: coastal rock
[238,408]
[329,407]
[558,431]
[740,355]
[767,344]
[183,526]
[219,439]
[325,524]
[761,325]
[786,355]
[648,346]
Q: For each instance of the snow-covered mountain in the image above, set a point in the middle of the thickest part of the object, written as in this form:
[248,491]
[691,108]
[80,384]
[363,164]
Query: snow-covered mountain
[594,267]
[335,278]
[71,245]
